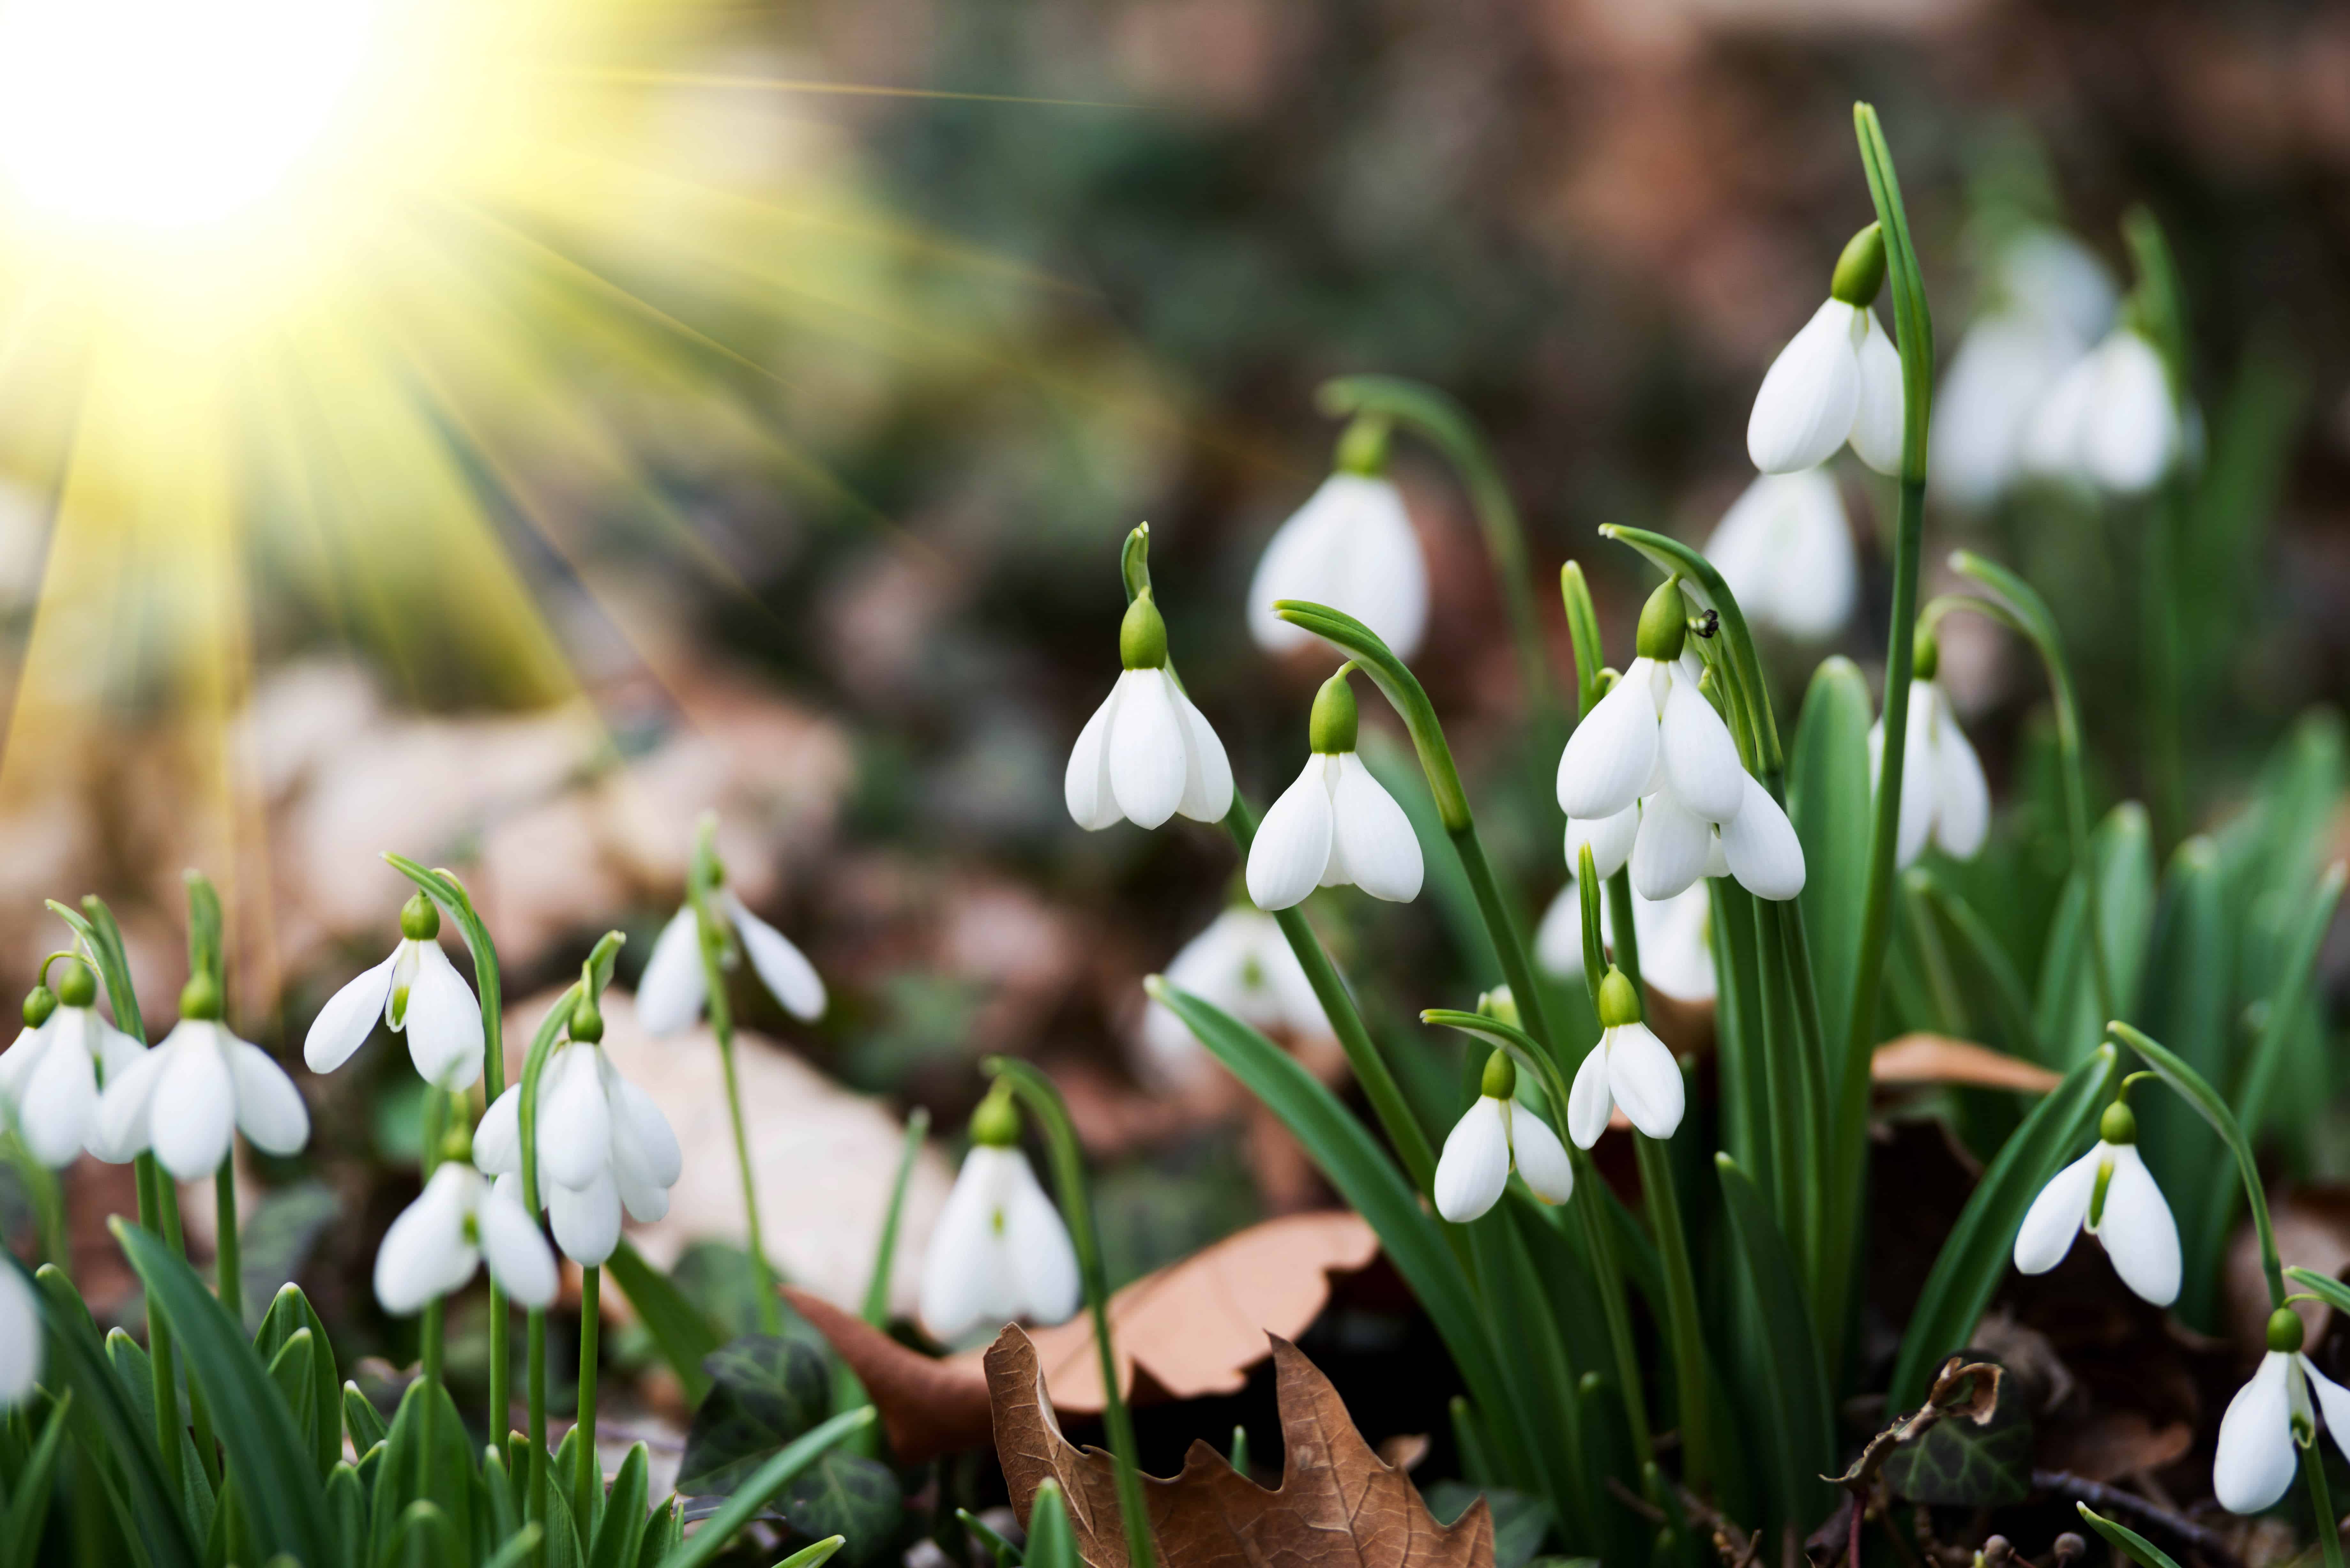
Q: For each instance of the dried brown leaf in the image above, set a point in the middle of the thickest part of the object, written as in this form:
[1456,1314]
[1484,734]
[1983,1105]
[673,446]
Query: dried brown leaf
[1337,1499]
[1938,1059]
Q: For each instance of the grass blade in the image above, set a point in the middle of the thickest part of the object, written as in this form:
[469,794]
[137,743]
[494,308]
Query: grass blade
[1791,1390]
[681,1332]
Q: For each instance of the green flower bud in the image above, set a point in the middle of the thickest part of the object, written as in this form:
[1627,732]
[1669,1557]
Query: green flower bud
[586,1021]
[1926,656]
[2284,1331]
[1331,730]
[1619,1003]
[1363,446]
[1501,1003]
[1860,271]
[1664,622]
[420,919]
[1501,1075]
[2119,1125]
[1142,636]
[996,1123]
[77,987]
[39,1002]
[200,998]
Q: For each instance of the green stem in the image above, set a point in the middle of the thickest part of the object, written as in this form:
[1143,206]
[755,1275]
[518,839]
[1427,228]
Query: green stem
[1620,926]
[587,1476]
[164,1380]
[2321,1502]
[431,1335]
[700,888]
[228,1280]
[534,1391]
[2166,768]
[1044,1102]
[1682,1321]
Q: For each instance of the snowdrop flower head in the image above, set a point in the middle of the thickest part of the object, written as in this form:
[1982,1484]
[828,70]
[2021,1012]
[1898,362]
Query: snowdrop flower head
[2270,1416]
[1351,546]
[20,1336]
[1146,752]
[49,1078]
[188,1097]
[1655,730]
[1786,549]
[1837,380]
[674,987]
[1000,1249]
[2112,420]
[1493,1137]
[1629,1067]
[2109,1193]
[1944,796]
[1675,937]
[416,991]
[458,1221]
[1336,825]
[1244,965]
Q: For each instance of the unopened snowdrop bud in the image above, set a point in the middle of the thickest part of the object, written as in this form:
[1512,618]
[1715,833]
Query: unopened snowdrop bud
[1351,546]
[2112,420]
[188,1097]
[1146,752]
[1494,1137]
[20,1336]
[2109,1193]
[1335,824]
[2258,1450]
[1944,796]
[460,1220]
[1837,380]
[1629,1067]
[1786,549]
[416,991]
[1000,1251]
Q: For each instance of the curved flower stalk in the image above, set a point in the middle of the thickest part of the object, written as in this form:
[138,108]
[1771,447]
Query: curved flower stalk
[1350,545]
[2112,420]
[1944,796]
[2109,1193]
[1244,964]
[1786,549]
[416,991]
[1336,825]
[1674,937]
[1146,752]
[187,1097]
[1000,1251]
[460,1221]
[1629,1068]
[2271,1419]
[674,988]
[49,1079]
[1493,1138]
[1837,380]
[20,1337]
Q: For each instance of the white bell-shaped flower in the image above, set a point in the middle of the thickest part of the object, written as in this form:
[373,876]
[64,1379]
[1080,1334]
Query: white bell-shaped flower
[458,1221]
[1944,796]
[416,991]
[1675,937]
[1146,752]
[20,1336]
[1493,1137]
[1335,824]
[1837,380]
[2258,1451]
[1242,964]
[674,988]
[1629,1067]
[1786,549]
[1351,546]
[49,1078]
[188,1097]
[1000,1251]
[2109,1193]
[2112,420]
[603,1145]
[1655,730]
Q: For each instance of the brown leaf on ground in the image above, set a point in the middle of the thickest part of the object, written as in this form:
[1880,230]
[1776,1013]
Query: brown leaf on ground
[2113,1445]
[1195,1327]
[2313,1229]
[1336,1497]
[1938,1059]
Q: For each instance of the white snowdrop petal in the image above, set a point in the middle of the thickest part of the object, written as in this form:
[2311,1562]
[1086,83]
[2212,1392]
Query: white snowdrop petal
[2054,434]
[965,1279]
[1672,849]
[1805,409]
[1961,794]
[1610,837]
[2333,1402]
[125,1110]
[782,968]
[269,1108]
[1540,1157]
[1382,572]
[2257,1459]
[1147,749]
[1700,759]
[1558,939]
[2004,367]
[1761,846]
[1612,752]
[574,1125]
[2130,433]
[519,1257]
[344,1024]
[497,1140]
[18,1062]
[2056,1216]
[1207,771]
[1299,563]
[1292,847]
[194,1114]
[1877,411]
[670,992]
[445,1022]
[59,1102]
[1588,1105]
[586,1220]
[643,1143]
[2137,1231]
[115,1050]
[424,1254]
[1370,830]
[1476,1165]
[1784,548]
[1675,958]
[1042,1259]
[644,1201]
[1643,1078]
[20,1338]
[1085,786]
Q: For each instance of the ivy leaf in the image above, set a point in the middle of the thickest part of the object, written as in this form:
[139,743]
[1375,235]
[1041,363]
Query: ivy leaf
[765,1391]
[845,1494]
[1974,1459]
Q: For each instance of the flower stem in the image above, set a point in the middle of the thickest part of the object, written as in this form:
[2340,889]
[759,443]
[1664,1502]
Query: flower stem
[432,1329]
[588,1474]
[2321,1502]
[1044,1102]
[228,1282]
[534,1391]
[702,884]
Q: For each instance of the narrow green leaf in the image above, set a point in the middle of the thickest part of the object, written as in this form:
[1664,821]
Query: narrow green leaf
[2126,1542]
[681,1332]
[1051,1542]
[27,1513]
[1827,796]
[2066,1013]
[347,1504]
[815,1554]
[1981,956]
[1790,1390]
[754,1493]
[291,1370]
[444,1478]
[114,1437]
[622,1529]
[664,1537]
[363,1420]
[1007,1555]
[517,1549]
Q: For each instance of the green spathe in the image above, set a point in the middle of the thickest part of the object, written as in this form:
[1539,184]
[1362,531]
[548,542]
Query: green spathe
[1331,730]
[1664,622]
[1860,270]
[1142,635]
[1619,1003]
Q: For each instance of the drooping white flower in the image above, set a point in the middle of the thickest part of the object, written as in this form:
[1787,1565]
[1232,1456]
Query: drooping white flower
[672,990]
[1242,964]
[1335,824]
[188,1097]
[1146,752]
[1000,1251]
[20,1336]
[2258,1452]
[1493,1137]
[1629,1067]
[1837,380]
[2049,273]
[1786,549]
[603,1145]
[2109,1193]
[458,1221]
[2111,420]
[1944,796]
[416,990]
[1674,934]
[50,1077]
[1351,546]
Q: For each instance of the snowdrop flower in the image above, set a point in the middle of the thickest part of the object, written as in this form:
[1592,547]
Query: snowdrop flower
[2270,1417]
[1943,795]
[188,1097]
[1146,752]
[672,989]
[1629,1067]
[1494,1137]
[458,1221]
[416,991]
[1244,965]
[2109,1193]
[20,1336]
[603,1145]
[1000,1249]
[1351,546]
[1838,380]
[1335,824]
[50,1077]
[1786,549]
[1674,934]
[2112,419]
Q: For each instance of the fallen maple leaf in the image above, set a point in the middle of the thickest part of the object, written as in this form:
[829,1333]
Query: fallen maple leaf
[1337,1500]
[1193,1328]
[1938,1059]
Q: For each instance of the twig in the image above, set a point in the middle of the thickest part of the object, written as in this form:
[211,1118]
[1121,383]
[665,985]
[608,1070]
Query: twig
[1726,1533]
[2112,1499]
[1635,1501]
